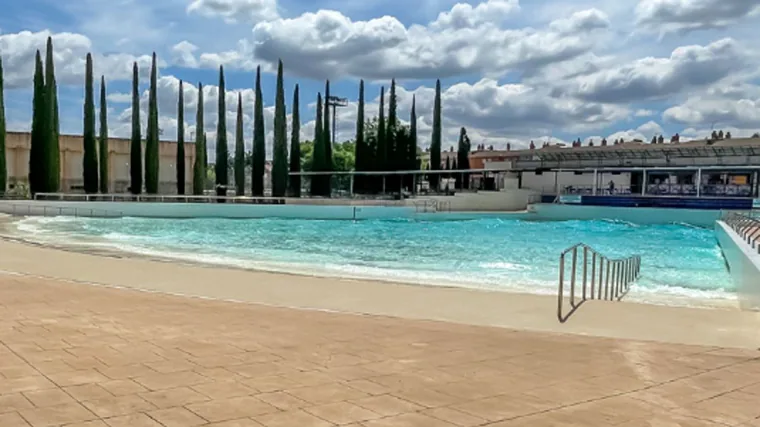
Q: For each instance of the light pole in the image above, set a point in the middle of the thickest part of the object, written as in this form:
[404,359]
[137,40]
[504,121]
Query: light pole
[334,102]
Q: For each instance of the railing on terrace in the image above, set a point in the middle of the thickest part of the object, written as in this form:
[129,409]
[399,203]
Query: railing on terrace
[599,277]
[155,198]
[747,226]
[33,209]
[706,190]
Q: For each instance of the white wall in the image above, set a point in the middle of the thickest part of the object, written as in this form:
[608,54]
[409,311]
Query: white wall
[545,181]
[563,212]
[744,264]
[202,210]
[487,201]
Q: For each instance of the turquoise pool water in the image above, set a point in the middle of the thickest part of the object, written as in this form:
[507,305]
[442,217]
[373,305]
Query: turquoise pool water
[506,254]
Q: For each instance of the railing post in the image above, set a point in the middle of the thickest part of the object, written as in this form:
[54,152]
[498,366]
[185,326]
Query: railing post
[561,295]
[607,281]
[593,273]
[585,263]
[572,278]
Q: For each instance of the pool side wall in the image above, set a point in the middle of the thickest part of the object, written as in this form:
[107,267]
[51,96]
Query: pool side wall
[208,210]
[743,263]
[646,216]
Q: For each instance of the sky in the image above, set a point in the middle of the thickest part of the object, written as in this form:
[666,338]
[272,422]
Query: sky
[511,71]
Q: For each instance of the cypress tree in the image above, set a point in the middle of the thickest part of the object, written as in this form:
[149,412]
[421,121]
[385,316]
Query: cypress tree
[382,160]
[221,167]
[38,150]
[390,133]
[90,149]
[199,168]
[318,153]
[135,152]
[53,162]
[360,162]
[280,149]
[205,154]
[463,159]
[3,167]
[239,150]
[151,136]
[435,144]
[103,139]
[295,148]
[411,154]
[180,161]
[259,145]
[326,134]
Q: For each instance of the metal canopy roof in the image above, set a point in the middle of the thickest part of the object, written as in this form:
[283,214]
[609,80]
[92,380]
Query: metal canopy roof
[634,150]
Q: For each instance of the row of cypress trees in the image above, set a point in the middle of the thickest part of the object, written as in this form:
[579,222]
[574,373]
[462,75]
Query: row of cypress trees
[44,162]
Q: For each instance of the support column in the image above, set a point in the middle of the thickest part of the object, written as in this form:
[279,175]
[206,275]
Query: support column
[644,182]
[699,182]
[556,182]
[593,191]
[351,186]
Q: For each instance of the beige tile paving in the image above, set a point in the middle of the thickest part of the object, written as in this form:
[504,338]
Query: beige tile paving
[82,356]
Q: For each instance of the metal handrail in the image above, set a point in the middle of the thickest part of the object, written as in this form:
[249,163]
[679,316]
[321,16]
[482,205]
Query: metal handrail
[29,209]
[746,226]
[609,279]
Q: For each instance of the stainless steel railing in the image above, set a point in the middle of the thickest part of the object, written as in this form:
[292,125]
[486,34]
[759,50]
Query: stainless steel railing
[746,226]
[599,277]
[33,209]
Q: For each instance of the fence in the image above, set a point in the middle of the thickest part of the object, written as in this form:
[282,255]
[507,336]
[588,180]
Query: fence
[30,209]
[600,277]
[746,226]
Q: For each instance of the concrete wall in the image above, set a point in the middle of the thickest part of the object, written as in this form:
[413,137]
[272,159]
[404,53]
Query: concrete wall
[545,181]
[204,210]
[17,147]
[564,212]
[744,264]
[484,201]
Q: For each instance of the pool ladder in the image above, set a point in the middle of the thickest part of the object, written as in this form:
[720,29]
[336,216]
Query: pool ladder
[599,277]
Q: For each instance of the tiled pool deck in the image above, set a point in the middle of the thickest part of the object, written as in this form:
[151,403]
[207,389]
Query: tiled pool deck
[79,355]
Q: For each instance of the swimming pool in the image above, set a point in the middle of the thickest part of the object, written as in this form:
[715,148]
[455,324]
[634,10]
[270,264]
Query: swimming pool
[678,261]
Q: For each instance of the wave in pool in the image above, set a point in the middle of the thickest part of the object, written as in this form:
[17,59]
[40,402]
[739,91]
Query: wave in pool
[678,261]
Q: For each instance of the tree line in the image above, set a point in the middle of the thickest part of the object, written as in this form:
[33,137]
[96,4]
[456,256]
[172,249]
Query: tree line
[381,144]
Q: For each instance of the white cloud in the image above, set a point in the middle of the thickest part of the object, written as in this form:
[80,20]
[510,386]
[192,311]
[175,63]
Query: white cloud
[236,10]
[70,50]
[688,67]
[688,15]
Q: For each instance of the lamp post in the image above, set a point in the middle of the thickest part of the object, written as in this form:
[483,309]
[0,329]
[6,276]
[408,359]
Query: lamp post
[334,102]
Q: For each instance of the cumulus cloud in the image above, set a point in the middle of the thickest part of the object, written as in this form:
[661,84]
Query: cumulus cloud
[18,50]
[687,67]
[689,15]
[464,40]
[236,10]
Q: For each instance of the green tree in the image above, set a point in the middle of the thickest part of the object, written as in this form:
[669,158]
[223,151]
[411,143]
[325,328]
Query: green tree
[435,143]
[326,132]
[259,145]
[3,167]
[361,150]
[90,149]
[38,157]
[53,163]
[394,161]
[411,146]
[180,161]
[151,135]
[199,166]
[135,153]
[103,139]
[221,166]
[295,148]
[382,147]
[280,149]
[318,162]
[239,150]
[463,159]
[205,152]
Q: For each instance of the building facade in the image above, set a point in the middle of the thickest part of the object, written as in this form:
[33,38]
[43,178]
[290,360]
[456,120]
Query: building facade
[18,145]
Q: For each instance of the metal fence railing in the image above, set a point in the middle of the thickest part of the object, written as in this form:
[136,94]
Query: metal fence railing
[747,226]
[599,277]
